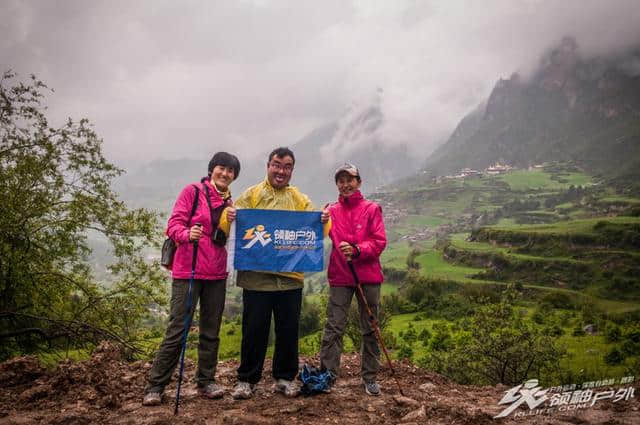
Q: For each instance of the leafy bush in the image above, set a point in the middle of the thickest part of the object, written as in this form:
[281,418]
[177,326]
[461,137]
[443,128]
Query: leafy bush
[612,333]
[614,357]
[553,330]
[394,275]
[424,335]
[631,340]
[412,264]
[410,335]
[498,345]
[441,339]
[397,304]
[311,317]
[405,352]
[352,330]
[558,300]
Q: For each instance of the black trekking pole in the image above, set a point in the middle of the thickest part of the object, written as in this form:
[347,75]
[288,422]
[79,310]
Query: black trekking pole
[187,320]
[373,322]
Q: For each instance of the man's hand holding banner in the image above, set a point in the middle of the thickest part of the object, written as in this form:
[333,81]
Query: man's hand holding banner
[276,240]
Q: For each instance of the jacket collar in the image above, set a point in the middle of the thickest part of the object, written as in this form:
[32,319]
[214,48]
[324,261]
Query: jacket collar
[267,184]
[352,200]
[212,188]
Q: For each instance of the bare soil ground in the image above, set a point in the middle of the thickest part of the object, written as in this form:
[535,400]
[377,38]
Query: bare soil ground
[107,390]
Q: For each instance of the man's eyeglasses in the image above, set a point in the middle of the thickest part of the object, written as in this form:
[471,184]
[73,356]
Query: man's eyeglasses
[287,168]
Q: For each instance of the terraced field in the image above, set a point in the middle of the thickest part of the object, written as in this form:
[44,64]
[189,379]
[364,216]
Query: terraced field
[557,234]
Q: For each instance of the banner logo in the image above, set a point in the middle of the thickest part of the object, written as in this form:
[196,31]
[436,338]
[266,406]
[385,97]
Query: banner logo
[276,240]
[256,234]
[304,238]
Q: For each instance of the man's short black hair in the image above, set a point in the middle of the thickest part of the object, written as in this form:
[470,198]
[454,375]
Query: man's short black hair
[226,160]
[281,152]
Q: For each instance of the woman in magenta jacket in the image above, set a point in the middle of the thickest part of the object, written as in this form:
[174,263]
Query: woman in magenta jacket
[357,233]
[186,225]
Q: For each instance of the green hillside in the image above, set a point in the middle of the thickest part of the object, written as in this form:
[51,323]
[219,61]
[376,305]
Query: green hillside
[566,240]
[570,110]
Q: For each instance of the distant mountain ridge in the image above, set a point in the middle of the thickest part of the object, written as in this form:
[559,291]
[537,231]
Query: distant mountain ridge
[572,109]
[355,138]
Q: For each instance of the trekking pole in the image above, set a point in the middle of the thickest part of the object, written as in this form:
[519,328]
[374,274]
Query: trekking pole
[187,319]
[374,322]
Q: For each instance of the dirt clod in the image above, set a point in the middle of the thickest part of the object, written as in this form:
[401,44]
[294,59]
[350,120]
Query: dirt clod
[406,401]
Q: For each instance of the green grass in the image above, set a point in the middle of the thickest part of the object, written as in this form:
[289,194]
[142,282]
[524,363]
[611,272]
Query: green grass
[459,241]
[579,214]
[51,358]
[585,356]
[568,227]
[522,180]
[578,179]
[621,200]
[388,289]
[401,322]
[433,265]
[423,221]
[564,206]
[395,255]
[230,341]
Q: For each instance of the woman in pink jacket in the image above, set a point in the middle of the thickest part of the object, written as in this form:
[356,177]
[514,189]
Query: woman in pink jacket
[195,216]
[357,233]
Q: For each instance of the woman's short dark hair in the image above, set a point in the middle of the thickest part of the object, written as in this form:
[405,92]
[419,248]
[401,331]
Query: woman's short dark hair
[281,153]
[226,160]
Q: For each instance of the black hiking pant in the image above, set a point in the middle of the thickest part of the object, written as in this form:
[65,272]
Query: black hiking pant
[258,306]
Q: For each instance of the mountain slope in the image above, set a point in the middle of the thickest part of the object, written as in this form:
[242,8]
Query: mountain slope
[581,110]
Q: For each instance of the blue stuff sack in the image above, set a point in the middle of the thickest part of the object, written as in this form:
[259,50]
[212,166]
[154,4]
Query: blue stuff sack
[314,381]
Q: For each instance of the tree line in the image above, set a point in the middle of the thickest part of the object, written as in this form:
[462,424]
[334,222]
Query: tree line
[56,187]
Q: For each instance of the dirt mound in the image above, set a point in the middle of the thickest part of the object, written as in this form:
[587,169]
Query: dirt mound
[20,370]
[107,390]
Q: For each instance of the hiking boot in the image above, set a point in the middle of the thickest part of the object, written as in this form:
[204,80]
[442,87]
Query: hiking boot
[242,391]
[372,388]
[288,388]
[211,390]
[152,399]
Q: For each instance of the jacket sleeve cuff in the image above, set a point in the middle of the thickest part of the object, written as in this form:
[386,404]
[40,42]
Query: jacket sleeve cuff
[184,236]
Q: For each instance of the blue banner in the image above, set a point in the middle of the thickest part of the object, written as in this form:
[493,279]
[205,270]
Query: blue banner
[277,240]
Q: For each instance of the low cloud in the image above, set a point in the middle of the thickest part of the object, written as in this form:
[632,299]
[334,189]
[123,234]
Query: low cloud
[166,79]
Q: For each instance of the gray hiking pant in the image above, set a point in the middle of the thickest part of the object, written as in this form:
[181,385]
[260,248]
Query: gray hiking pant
[211,294]
[337,315]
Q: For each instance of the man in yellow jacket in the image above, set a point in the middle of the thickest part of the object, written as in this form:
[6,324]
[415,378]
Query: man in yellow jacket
[266,293]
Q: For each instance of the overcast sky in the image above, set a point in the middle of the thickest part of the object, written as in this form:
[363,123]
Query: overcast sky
[169,79]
